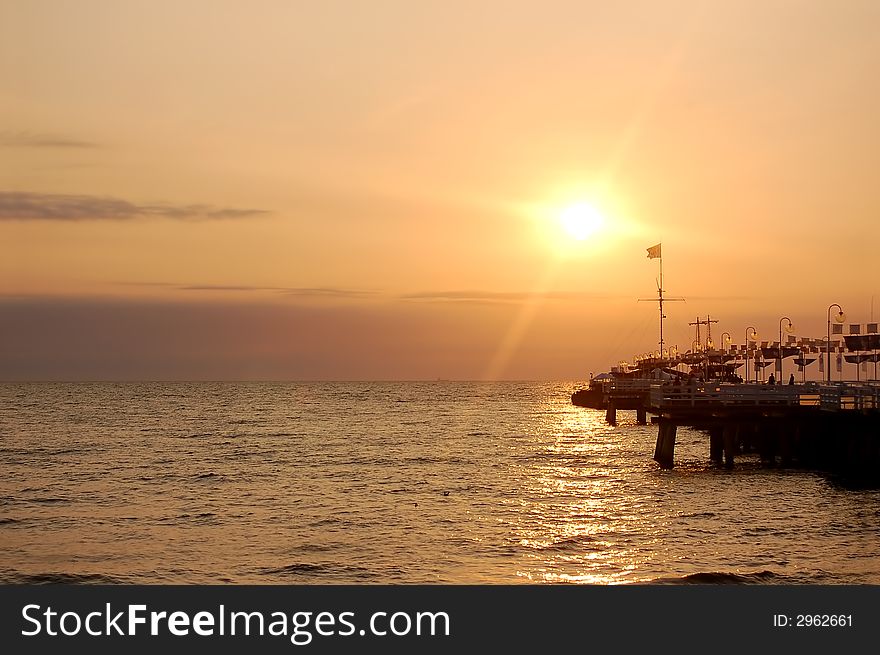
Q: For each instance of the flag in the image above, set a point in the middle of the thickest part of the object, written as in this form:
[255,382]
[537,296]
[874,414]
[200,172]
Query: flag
[654,252]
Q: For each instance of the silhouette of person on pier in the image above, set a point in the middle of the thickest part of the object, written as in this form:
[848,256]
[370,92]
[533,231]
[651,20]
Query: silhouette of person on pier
[791,379]
[771,380]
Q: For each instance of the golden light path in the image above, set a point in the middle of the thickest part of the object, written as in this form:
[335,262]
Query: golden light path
[579,510]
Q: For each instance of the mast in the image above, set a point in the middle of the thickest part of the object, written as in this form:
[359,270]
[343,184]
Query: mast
[655,252]
[660,303]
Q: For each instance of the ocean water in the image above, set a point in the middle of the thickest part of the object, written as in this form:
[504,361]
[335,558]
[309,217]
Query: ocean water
[442,482]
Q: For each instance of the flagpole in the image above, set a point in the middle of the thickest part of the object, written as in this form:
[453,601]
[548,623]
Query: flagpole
[656,252]
[660,293]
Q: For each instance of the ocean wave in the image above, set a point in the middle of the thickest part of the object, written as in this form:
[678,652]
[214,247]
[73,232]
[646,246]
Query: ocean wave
[722,577]
[328,570]
[569,544]
[296,568]
[203,517]
[57,578]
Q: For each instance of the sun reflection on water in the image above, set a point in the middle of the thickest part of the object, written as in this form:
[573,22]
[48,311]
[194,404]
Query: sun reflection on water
[577,512]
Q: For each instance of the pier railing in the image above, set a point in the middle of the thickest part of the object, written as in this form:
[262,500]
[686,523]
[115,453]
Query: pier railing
[632,385]
[836,397]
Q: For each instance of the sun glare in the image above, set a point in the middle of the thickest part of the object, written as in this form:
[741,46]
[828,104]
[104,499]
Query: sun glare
[581,220]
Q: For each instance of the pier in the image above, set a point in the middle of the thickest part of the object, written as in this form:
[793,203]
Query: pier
[833,427]
[827,425]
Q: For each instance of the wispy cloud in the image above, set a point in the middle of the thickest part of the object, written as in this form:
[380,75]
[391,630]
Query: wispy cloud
[327,292]
[490,297]
[308,292]
[24,139]
[303,292]
[24,206]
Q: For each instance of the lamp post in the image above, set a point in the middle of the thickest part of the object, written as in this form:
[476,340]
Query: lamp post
[725,342]
[789,329]
[840,318]
[754,333]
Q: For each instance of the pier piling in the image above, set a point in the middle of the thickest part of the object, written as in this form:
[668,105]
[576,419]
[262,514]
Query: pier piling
[611,414]
[716,445]
[728,437]
[664,452]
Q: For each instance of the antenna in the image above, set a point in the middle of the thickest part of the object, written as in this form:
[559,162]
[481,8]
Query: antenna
[708,323]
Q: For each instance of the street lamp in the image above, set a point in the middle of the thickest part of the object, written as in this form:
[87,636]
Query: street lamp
[789,329]
[754,333]
[725,342]
[840,318]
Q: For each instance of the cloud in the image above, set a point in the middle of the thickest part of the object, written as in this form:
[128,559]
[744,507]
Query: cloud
[301,292]
[490,297]
[24,206]
[309,292]
[36,140]
[327,292]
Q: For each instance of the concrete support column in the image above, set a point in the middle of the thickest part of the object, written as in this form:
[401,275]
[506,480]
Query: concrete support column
[716,445]
[728,438]
[641,416]
[611,414]
[664,453]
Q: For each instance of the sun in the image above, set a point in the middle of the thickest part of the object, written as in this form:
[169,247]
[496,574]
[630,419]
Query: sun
[581,220]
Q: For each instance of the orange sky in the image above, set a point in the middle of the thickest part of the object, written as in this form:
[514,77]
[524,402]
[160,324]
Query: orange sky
[372,190]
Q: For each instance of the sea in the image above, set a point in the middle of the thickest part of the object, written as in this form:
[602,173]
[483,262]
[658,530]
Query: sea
[396,483]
